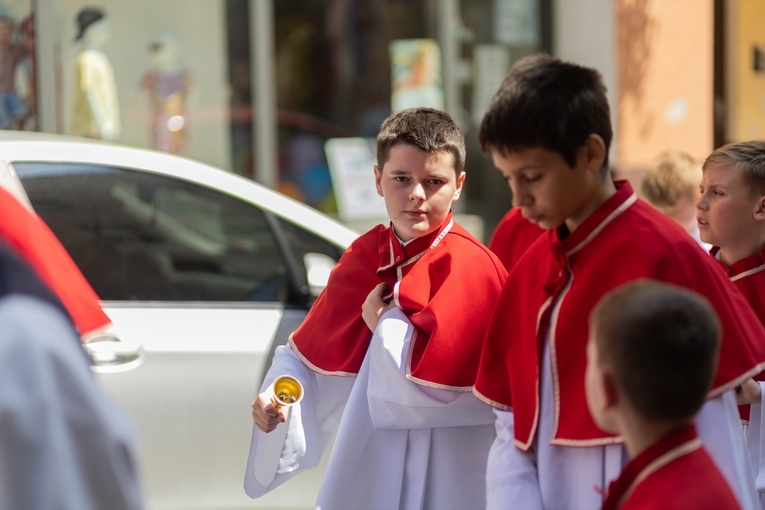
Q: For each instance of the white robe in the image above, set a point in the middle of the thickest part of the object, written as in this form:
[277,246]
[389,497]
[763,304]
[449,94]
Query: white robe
[558,477]
[399,444]
[755,442]
[63,444]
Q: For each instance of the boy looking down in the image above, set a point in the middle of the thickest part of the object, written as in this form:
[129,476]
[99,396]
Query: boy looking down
[548,131]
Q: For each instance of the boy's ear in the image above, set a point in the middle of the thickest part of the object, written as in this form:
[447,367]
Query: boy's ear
[610,391]
[759,212]
[458,187]
[378,180]
[594,152]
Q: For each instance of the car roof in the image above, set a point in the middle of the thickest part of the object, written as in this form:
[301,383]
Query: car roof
[16,146]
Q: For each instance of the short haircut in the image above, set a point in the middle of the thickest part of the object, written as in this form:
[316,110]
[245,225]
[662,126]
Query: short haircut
[545,102]
[671,176]
[661,343]
[425,128]
[746,157]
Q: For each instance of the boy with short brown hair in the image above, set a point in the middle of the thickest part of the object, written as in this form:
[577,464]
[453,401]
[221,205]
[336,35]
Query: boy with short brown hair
[548,131]
[646,337]
[389,352]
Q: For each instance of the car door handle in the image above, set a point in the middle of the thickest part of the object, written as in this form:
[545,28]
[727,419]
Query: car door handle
[109,353]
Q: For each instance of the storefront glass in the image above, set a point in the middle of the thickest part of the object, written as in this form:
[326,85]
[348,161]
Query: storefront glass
[179,76]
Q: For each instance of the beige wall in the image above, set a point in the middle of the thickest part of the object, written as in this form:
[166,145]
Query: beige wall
[664,78]
[745,88]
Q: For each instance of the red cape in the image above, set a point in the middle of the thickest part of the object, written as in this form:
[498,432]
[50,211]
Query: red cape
[513,235]
[446,283]
[556,284]
[675,473]
[33,241]
[748,275]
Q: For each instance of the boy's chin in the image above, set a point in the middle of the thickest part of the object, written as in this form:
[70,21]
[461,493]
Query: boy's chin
[410,232]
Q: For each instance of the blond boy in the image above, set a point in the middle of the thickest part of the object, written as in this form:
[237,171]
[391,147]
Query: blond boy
[671,184]
[731,217]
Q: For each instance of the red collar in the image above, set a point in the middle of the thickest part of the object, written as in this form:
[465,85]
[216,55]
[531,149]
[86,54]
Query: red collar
[671,447]
[744,267]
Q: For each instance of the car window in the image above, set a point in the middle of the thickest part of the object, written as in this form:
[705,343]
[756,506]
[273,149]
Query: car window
[302,242]
[137,236]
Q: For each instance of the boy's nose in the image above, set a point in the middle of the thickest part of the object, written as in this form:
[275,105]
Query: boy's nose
[519,197]
[700,203]
[417,193]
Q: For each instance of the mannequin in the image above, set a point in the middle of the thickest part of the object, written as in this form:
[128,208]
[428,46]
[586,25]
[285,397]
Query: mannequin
[96,106]
[25,76]
[167,83]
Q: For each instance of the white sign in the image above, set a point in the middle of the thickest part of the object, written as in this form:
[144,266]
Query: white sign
[351,166]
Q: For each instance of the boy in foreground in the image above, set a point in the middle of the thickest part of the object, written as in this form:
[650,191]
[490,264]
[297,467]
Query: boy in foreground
[731,217]
[548,131]
[645,337]
[390,349]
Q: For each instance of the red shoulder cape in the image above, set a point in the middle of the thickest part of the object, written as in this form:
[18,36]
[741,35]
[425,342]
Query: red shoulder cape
[513,235]
[33,241]
[675,473]
[748,275]
[551,291]
[446,283]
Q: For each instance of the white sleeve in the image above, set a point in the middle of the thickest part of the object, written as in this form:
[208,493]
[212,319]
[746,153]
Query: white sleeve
[719,427]
[63,443]
[511,474]
[755,442]
[297,445]
[395,402]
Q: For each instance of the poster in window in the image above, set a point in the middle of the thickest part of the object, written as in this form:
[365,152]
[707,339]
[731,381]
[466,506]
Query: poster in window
[18,91]
[416,74]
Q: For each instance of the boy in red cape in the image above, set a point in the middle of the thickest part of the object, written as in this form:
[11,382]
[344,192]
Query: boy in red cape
[548,131]
[731,217]
[646,337]
[388,353]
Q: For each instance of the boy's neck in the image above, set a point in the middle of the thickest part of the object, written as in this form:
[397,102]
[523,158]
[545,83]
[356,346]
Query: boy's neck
[748,247]
[601,191]
[640,433]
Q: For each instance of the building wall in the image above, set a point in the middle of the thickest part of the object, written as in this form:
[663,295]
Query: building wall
[745,84]
[584,32]
[665,79]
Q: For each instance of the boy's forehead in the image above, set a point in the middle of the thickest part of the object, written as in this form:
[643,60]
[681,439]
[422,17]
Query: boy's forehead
[724,174]
[522,158]
[399,150]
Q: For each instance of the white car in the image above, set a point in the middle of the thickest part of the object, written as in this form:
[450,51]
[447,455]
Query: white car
[203,274]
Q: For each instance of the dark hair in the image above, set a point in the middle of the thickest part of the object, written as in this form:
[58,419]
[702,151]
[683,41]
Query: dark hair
[86,17]
[746,157]
[425,128]
[662,344]
[545,102]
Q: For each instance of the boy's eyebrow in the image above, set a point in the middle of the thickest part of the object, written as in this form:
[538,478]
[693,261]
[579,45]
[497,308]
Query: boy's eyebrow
[529,166]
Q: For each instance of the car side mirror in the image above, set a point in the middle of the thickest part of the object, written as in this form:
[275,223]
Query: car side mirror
[318,266]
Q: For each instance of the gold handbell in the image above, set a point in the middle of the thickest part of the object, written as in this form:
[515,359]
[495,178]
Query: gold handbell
[286,391]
